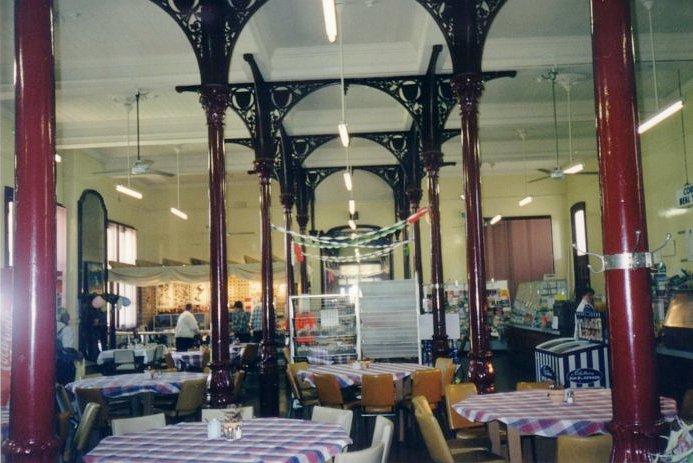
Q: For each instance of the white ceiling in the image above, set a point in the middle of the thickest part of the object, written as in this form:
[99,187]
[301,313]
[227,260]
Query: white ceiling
[106,49]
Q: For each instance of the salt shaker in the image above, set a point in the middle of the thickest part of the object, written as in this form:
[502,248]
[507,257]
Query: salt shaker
[214,429]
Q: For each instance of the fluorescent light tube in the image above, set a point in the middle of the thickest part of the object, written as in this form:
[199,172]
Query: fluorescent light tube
[574,169]
[58,158]
[496,219]
[660,116]
[352,224]
[330,14]
[524,201]
[343,134]
[352,207]
[347,180]
[179,213]
[128,191]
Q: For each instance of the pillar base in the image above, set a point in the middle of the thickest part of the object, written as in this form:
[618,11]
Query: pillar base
[635,443]
[481,372]
[220,384]
[269,379]
[31,450]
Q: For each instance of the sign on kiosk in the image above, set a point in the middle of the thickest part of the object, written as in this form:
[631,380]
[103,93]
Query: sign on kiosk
[684,196]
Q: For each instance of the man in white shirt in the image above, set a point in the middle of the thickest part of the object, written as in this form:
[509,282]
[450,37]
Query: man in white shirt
[64,330]
[186,329]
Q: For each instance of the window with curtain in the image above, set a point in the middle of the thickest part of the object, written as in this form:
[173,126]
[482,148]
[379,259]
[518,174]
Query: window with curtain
[122,248]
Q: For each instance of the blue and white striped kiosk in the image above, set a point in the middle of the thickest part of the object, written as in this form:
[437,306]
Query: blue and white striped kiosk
[576,363]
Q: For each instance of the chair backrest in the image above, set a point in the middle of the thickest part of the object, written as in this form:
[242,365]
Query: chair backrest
[421,405]
[287,354]
[456,393]
[382,433]
[158,353]
[63,399]
[334,416]
[294,386]
[192,395]
[138,424]
[83,431]
[168,358]
[87,395]
[372,454]
[297,366]
[447,368]
[63,427]
[206,355]
[249,354]
[378,392]
[247,413]
[529,385]
[428,384]
[433,437]
[238,378]
[123,356]
[329,392]
[577,449]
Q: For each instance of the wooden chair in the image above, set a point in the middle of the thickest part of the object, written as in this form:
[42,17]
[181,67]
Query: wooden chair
[439,450]
[377,397]
[373,454]
[80,441]
[158,356]
[138,424]
[382,433]
[578,449]
[473,432]
[421,405]
[237,392]
[447,369]
[344,418]
[530,385]
[330,394]
[124,361]
[190,400]
[170,364]
[65,404]
[247,413]
[63,428]
[300,399]
[108,408]
[248,357]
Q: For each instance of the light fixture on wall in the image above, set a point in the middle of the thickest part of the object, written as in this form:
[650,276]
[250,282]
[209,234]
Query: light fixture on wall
[330,15]
[176,210]
[495,219]
[527,198]
[672,108]
[128,190]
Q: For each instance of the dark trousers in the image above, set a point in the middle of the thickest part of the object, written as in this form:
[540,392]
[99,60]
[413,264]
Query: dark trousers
[257,336]
[183,344]
[243,337]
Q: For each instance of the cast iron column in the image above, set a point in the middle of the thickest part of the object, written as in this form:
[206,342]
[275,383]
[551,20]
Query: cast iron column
[403,214]
[269,374]
[287,200]
[32,390]
[432,162]
[468,88]
[414,195]
[302,221]
[624,230]
[215,99]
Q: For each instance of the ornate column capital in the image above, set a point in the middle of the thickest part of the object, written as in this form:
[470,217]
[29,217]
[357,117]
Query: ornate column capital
[468,87]
[287,200]
[302,221]
[414,195]
[263,167]
[433,161]
[214,100]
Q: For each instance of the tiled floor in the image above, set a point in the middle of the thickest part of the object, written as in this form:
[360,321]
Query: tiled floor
[413,449]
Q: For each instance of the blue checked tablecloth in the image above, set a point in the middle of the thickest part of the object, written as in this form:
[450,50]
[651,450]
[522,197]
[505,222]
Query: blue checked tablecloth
[270,440]
[123,385]
[349,375]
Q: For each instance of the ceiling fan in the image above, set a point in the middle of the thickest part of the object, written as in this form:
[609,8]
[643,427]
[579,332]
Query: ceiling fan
[558,173]
[140,166]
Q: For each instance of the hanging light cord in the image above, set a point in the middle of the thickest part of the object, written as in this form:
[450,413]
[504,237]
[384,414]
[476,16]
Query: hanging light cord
[552,76]
[178,178]
[523,136]
[683,132]
[340,8]
[648,6]
[570,126]
[128,108]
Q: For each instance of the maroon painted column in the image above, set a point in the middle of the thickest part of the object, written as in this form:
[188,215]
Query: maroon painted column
[32,390]
[468,88]
[269,372]
[287,200]
[624,230]
[302,221]
[215,100]
[414,195]
[433,160]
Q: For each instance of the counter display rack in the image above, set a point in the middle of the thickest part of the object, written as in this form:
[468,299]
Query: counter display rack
[533,306]
[323,329]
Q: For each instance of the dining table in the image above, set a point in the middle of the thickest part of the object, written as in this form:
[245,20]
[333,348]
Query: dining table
[350,374]
[193,358]
[145,351]
[270,440]
[535,412]
[133,383]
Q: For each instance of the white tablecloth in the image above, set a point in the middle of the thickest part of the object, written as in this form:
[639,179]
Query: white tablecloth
[145,351]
